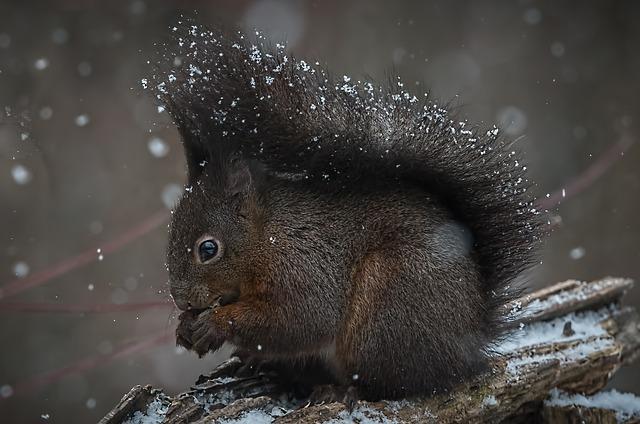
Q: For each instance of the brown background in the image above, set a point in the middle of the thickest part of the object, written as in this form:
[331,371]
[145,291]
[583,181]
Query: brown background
[561,77]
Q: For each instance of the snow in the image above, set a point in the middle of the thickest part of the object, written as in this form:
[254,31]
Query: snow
[91,403]
[362,415]
[155,413]
[580,292]
[532,16]
[516,365]
[396,405]
[577,253]
[157,409]
[251,417]
[490,400]
[512,120]
[626,405]
[41,64]
[585,327]
[584,324]
[20,269]
[21,175]
[6,391]
[157,147]
[82,120]
[171,194]
[46,113]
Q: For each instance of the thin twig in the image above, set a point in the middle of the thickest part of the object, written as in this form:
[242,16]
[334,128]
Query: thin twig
[42,307]
[90,362]
[90,255]
[583,180]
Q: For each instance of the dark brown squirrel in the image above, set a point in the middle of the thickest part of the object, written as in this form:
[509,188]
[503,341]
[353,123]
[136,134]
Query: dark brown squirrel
[336,222]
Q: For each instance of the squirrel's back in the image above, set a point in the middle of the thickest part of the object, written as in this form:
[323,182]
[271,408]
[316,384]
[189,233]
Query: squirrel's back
[437,289]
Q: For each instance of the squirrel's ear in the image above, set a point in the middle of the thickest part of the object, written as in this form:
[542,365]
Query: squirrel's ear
[239,178]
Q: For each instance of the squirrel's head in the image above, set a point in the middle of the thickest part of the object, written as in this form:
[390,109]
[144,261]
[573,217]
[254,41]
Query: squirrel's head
[211,232]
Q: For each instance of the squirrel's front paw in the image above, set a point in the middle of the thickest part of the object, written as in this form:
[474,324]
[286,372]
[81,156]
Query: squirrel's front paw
[206,333]
[184,333]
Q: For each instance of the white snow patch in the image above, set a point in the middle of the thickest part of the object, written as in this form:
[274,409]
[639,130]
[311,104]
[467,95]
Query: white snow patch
[626,405]
[580,292]
[581,351]
[362,415]
[251,417]
[490,400]
[154,414]
[584,325]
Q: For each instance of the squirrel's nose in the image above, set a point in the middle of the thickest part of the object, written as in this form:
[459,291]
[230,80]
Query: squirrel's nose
[182,303]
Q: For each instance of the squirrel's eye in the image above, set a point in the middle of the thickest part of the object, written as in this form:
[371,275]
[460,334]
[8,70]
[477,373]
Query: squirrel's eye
[207,250]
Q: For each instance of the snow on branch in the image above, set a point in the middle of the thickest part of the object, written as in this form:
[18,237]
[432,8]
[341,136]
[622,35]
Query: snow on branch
[572,337]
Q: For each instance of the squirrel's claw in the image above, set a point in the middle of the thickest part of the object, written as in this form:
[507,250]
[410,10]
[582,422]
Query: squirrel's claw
[251,367]
[329,393]
[350,398]
[206,335]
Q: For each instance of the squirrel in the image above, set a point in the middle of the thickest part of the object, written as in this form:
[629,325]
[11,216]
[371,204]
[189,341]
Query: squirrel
[333,221]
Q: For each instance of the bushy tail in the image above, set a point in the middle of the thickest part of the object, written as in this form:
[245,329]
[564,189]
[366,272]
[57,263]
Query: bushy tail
[295,118]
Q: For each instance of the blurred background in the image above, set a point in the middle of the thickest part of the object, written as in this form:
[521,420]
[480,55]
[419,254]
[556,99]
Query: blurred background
[88,167]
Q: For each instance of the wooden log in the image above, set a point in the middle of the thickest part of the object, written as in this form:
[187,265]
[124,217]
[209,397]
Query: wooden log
[573,336]
[137,399]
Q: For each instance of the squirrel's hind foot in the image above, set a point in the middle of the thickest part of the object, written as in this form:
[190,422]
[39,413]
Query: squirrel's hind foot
[330,393]
[252,366]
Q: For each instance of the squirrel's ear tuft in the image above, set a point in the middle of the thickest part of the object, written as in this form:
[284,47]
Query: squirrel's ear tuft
[239,178]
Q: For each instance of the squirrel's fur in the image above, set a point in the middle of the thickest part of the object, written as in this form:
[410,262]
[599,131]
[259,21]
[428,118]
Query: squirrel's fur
[361,227]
